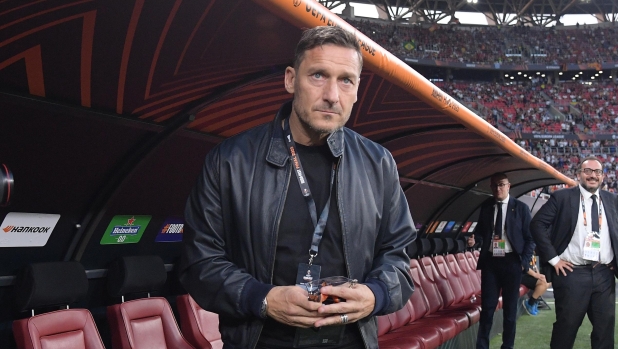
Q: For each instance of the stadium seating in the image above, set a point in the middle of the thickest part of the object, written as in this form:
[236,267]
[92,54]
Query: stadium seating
[141,323]
[200,327]
[43,285]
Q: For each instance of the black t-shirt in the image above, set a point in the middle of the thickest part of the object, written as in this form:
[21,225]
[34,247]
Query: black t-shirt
[295,236]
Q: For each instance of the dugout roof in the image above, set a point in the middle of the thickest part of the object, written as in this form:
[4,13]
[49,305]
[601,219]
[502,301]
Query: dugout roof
[109,107]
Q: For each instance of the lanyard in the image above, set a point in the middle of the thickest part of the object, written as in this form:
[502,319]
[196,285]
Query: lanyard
[600,210]
[319,225]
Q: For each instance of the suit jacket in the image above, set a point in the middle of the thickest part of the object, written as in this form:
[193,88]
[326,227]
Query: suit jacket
[517,231]
[554,224]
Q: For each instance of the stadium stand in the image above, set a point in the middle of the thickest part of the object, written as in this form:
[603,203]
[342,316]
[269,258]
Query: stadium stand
[514,44]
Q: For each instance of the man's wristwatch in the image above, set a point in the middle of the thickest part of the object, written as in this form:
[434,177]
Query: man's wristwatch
[264,309]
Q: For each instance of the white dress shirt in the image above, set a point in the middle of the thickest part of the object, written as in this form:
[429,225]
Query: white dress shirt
[575,250]
[505,203]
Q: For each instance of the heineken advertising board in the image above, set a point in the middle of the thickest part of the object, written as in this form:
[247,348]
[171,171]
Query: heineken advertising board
[125,230]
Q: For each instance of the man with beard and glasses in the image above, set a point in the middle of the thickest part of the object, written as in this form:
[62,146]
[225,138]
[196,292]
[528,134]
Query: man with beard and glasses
[301,198]
[576,233]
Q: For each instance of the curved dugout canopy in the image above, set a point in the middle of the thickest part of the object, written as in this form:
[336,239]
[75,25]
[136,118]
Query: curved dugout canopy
[109,107]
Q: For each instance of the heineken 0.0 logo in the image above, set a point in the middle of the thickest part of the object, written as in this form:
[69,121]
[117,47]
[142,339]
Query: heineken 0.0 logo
[125,230]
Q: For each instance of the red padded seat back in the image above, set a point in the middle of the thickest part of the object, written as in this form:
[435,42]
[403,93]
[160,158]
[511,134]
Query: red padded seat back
[145,324]
[384,325]
[70,328]
[401,317]
[472,262]
[430,289]
[418,304]
[444,273]
[464,266]
[200,327]
[466,284]
[444,287]
[51,284]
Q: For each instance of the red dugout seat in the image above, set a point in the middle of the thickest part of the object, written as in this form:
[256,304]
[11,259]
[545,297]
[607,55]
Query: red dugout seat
[459,319]
[445,279]
[474,278]
[464,279]
[200,327]
[393,329]
[141,323]
[54,284]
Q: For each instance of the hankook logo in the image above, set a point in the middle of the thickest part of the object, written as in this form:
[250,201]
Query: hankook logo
[14,229]
[296,3]
[21,229]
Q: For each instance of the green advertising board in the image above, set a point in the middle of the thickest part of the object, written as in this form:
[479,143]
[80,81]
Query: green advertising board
[125,230]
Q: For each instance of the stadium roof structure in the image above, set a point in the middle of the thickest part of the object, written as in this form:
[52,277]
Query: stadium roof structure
[109,107]
[498,12]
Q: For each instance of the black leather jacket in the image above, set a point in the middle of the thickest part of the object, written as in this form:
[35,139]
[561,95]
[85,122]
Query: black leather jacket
[233,213]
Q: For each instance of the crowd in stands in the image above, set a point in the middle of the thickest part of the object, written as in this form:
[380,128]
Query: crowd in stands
[565,155]
[495,44]
[569,107]
[535,106]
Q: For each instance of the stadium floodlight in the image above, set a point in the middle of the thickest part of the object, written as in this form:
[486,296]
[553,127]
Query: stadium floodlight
[592,77]
[576,75]
[543,75]
[560,73]
[512,77]
[600,72]
[573,78]
[525,75]
[518,73]
[580,73]
[538,73]
[506,75]
[530,77]
[597,74]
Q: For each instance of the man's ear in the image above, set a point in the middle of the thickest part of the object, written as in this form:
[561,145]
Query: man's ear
[290,77]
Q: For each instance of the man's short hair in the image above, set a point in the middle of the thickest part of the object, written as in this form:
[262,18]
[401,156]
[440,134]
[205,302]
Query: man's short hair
[588,158]
[319,36]
[498,176]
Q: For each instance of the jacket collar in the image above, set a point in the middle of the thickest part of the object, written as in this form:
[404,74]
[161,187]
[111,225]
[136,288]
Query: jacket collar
[277,151]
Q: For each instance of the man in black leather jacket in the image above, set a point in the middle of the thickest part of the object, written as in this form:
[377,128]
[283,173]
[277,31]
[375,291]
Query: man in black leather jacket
[250,228]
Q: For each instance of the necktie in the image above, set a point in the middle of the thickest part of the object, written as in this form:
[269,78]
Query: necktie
[594,215]
[498,224]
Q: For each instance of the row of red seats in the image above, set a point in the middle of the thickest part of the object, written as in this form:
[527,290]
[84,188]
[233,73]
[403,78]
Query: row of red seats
[139,323]
[446,302]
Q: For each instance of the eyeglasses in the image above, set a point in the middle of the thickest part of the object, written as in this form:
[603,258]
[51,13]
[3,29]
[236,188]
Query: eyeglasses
[499,185]
[588,171]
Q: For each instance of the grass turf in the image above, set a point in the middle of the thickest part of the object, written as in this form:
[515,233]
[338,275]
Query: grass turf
[534,332]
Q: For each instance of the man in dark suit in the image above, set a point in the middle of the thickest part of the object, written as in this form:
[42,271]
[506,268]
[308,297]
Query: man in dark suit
[577,238]
[506,251]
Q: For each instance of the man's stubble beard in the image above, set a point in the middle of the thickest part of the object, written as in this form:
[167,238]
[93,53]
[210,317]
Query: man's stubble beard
[303,118]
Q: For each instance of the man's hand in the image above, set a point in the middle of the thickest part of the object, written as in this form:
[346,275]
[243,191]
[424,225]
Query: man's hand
[289,305]
[471,241]
[562,265]
[359,303]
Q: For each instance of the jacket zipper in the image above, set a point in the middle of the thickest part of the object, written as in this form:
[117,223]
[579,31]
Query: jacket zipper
[276,233]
